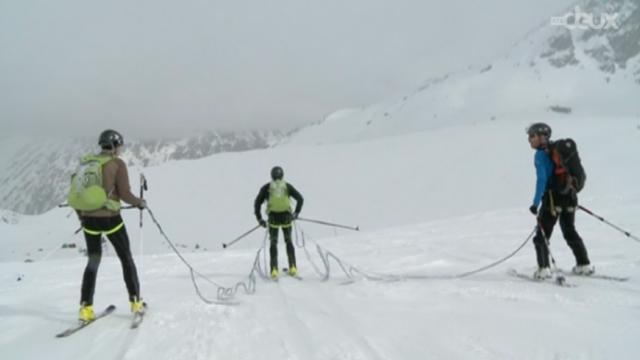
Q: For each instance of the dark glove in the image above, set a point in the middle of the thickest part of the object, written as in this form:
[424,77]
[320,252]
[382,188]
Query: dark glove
[142,205]
[262,223]
[533,209]
[294,216]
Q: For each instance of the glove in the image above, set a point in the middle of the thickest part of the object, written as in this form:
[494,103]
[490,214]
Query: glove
[533,209]
[262,223]
[142,205]
[294,216]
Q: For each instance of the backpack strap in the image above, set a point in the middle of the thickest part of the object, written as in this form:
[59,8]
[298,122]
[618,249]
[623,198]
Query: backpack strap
[102,159]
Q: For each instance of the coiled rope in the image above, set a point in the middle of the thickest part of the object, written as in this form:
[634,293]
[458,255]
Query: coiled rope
[225,295]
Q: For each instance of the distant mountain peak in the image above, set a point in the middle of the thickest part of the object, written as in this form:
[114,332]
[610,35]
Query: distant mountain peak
[584,70]
[608,33]
[34,175]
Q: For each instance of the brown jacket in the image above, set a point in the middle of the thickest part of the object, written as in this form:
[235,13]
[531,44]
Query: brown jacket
[115,179]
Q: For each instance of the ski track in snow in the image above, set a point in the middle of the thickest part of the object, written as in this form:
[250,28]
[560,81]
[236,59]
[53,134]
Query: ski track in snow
[344,335]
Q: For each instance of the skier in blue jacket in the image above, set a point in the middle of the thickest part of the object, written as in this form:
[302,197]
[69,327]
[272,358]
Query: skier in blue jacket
[549,205]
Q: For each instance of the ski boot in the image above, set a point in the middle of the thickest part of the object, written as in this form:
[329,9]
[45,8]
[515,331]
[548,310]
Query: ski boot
[584,270]
[86,313]
[274,273]
[138,306]
[293,271]
[542,273]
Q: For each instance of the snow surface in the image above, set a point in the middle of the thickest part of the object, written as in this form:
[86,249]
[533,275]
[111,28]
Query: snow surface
[436,203]
[438,179]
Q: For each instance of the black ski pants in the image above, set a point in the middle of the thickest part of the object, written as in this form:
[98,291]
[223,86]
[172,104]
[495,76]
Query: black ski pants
[282,220]
[558,207]
[93,228]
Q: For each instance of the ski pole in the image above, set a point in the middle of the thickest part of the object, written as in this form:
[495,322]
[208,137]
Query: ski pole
[241,237]
[357,228]
[143,188]
[559,277]
[628,234]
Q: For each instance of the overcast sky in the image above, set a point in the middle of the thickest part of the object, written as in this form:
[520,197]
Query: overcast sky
[167,67]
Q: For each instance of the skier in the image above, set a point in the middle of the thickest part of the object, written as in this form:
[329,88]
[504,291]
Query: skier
[559,201]
[277,194]
[98,207]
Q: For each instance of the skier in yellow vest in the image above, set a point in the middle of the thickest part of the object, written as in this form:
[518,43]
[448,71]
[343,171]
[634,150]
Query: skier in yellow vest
[276,194]
[97,187]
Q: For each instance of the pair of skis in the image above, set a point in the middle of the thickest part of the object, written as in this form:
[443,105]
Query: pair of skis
[560,278]
[286,271]
[135,321]
[296,276]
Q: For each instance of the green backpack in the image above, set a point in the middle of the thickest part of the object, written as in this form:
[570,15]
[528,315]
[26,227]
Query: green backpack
[278,197]
[87,192]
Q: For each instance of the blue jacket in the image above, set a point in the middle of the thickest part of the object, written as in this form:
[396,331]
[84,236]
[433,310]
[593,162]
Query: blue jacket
[544,172]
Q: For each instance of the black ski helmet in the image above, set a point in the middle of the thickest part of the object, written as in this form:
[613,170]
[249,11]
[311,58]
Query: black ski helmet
[539,129]
[110,139]
[277,173]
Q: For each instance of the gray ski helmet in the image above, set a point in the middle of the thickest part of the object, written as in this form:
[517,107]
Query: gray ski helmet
[277,173]
[539,128]
[110,139]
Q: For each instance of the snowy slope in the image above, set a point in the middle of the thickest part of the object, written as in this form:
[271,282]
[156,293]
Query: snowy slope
[486,174]
[488,316]
[552,74]
[448,194]
[375,184]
